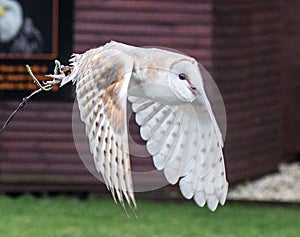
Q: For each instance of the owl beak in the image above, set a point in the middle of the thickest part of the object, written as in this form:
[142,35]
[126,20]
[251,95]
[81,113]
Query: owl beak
[194,89]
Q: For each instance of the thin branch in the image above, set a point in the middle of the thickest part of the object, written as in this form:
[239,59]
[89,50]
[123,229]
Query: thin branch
[48,86]
[36,81]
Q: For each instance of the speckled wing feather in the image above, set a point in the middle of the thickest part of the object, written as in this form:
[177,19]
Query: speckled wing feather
[102,76]
[185,143]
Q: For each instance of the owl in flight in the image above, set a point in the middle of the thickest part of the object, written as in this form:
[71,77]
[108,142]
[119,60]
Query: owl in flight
[176,120]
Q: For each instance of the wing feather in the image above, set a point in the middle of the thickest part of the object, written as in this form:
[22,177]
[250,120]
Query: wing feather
[106,156]
[159,138]
[184,142]
[101,91]
[147,113]
[177,165]
[148,129]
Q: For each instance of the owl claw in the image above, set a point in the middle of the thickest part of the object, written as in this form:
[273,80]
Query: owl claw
[57,78]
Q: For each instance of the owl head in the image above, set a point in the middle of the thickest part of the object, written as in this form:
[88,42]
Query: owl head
[185,79]
[11,20]
[167,77]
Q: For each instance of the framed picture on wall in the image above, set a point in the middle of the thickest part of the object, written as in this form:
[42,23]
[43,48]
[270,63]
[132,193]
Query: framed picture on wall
[32,32]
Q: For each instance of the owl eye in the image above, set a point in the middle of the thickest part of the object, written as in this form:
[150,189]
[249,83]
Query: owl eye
[182,76]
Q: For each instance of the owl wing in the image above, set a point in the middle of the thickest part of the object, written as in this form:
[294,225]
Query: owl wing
[102,78]
[185,142]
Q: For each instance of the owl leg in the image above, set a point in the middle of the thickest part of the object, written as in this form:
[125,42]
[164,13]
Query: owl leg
[60,71]
[56,79]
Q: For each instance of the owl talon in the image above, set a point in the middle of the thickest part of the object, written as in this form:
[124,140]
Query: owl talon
[56,78]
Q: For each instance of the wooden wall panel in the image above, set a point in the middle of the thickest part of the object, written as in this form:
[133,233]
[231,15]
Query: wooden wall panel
[290,78]
[37,152]
[237,41]
[246,66]
[182,25]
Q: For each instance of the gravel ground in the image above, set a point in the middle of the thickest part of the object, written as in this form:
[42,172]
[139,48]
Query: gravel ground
[283,186]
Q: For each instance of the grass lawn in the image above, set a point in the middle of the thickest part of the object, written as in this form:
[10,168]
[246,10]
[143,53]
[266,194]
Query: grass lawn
[27,216]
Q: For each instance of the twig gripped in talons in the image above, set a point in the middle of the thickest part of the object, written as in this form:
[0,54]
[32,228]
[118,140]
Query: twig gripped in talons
[47,86]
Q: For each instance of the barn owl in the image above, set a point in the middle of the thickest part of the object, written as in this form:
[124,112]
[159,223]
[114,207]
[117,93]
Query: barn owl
[176,120]
[11,19]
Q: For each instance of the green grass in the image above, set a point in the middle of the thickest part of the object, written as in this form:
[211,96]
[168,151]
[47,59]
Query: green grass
[61,216]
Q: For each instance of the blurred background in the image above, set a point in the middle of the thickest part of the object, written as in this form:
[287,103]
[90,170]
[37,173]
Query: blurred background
[251,48]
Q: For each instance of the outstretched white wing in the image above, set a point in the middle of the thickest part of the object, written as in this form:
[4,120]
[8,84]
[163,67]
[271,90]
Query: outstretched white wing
[102,78]
[185,143]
